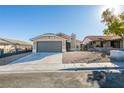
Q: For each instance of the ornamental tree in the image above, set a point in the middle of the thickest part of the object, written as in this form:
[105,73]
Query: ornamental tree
[114,23]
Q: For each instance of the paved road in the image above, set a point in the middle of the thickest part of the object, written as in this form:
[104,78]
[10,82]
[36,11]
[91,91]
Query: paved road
[46,80]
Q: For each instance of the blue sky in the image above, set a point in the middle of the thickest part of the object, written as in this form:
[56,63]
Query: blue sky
[25,22]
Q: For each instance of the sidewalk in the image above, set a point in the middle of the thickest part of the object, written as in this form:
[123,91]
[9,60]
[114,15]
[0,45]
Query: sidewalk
[23,68]
[116,66]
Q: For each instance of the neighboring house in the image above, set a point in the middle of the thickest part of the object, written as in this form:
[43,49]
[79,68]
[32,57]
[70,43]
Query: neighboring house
[11,45]
[50,42]
[103,42]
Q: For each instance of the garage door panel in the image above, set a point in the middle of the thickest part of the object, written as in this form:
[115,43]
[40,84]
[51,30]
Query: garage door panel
[49,46]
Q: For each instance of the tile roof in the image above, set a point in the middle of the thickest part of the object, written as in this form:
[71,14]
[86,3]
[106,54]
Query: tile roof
[66,36]
[103,38]
[46,34]
[63,35]
[88,39]
[12,41]
[49,34]
[3,42]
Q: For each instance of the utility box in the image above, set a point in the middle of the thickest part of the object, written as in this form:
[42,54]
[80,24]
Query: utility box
[117,55]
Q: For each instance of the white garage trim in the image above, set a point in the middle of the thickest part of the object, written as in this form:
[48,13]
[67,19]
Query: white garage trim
[49,38]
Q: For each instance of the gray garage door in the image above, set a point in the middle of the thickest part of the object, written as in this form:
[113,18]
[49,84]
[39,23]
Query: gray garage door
[49,46]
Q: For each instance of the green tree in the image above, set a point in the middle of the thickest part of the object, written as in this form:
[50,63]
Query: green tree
[114,24]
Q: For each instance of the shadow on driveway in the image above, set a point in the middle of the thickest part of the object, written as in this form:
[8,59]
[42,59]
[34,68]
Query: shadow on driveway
[33,57]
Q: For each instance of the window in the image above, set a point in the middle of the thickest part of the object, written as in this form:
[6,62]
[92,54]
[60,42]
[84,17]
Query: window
[94,42]
[115,44]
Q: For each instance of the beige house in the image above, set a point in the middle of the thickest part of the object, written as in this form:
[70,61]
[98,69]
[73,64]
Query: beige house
[11,45]
[72,44]
[103,42]
[50,42]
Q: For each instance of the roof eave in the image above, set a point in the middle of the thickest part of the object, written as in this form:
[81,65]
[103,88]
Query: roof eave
[37,37]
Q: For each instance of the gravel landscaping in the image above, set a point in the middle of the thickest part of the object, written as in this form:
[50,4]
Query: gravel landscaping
[80,57]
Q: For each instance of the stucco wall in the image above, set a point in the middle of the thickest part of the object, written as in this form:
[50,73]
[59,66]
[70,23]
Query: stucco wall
[73,42]
[123,43]
[107,44]
[34,47]
[63,46]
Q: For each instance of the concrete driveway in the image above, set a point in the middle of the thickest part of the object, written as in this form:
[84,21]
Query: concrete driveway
[35,62]
[39,58]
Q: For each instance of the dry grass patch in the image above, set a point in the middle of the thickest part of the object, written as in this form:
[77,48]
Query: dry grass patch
[79,57]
